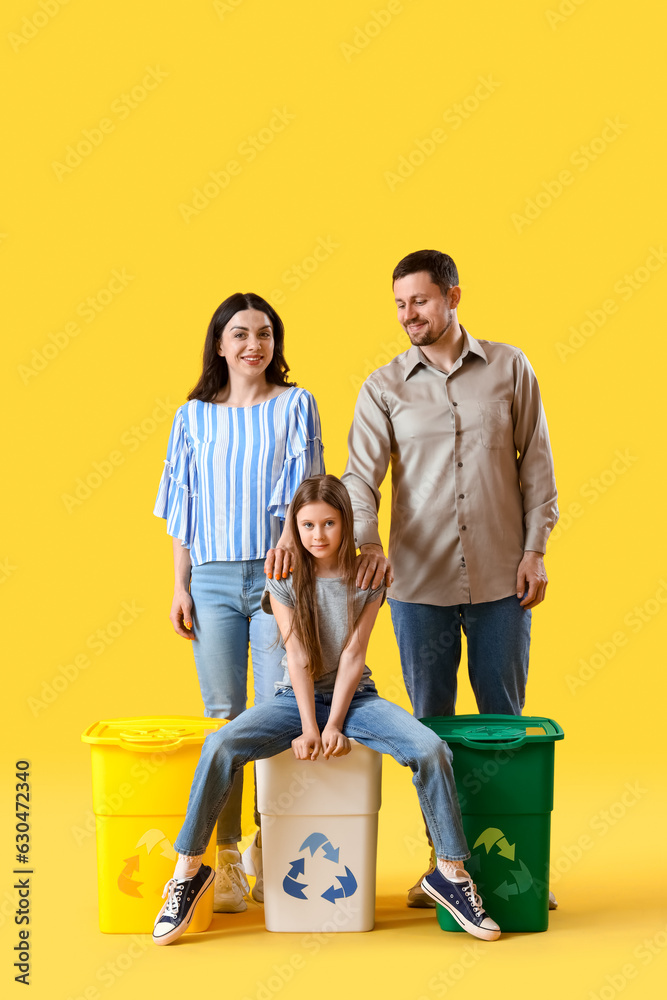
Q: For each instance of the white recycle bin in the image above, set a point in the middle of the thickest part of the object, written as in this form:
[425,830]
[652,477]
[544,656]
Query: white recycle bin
[319,840]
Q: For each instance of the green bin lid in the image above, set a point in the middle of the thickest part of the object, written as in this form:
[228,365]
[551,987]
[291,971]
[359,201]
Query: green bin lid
[486,731]
[148,734]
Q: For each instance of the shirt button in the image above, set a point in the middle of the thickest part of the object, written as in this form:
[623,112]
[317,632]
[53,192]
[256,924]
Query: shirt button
[455,404]
[458,433]
[459,464]
[461,496]
[463,527]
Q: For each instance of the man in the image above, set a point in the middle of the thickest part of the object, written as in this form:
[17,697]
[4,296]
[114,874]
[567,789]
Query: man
[473,498]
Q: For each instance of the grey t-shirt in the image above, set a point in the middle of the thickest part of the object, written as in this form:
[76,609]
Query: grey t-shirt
[332,615]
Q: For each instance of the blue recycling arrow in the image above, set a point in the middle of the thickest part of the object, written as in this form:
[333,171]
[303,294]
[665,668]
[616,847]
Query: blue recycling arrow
[348,886]
[298,868]
[330,852]
[332,894]
[314,841]
[293,888]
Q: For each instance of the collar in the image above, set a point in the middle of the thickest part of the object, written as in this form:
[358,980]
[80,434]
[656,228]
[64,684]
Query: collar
[415,357]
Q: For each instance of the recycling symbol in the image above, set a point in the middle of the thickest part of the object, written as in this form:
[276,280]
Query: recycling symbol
[343,885]
[151,840]
[522,877]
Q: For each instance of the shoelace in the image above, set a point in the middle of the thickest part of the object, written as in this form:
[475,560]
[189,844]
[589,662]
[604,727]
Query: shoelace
[230,874]
[470,890]
[173,890]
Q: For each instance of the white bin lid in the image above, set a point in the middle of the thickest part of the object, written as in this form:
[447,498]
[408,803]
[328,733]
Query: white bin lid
[339,786]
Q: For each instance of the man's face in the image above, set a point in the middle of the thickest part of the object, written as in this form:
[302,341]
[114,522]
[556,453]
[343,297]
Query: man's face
[423,311]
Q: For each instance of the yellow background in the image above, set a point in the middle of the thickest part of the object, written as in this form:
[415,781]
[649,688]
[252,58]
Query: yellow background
[354,100]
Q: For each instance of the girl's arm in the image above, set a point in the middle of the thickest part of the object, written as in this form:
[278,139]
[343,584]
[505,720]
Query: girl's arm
[309,744]
[181,606]
[350,669]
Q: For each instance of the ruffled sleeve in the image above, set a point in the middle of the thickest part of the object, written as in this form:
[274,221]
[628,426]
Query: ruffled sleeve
[303,453]
[176,498]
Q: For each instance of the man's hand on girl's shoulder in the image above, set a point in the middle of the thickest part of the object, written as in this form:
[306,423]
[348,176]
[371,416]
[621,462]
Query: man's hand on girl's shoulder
[373,567]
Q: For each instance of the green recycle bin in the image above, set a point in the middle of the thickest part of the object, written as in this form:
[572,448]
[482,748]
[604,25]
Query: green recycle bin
[504,771]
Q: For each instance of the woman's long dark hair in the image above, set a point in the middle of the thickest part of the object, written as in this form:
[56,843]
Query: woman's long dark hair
[305,619]
[214,371]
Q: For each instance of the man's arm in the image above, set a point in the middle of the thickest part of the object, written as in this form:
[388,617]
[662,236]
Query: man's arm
[538,484]
[369,446]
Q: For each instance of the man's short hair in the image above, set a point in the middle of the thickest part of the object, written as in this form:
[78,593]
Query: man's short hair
[440,267]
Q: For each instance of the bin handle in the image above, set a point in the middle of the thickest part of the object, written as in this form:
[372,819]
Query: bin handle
[517,741]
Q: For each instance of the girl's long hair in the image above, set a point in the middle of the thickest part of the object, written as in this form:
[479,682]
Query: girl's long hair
[305,619]
[215,373]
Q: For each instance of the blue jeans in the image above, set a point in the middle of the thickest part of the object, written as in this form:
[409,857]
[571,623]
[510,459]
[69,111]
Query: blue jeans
[227,617]
[429,642]
[269,729]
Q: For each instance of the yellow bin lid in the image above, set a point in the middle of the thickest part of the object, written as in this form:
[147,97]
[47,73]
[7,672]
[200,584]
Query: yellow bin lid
[153,733]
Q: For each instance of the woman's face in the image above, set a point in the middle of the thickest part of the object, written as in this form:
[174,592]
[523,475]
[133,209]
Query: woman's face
[247,344]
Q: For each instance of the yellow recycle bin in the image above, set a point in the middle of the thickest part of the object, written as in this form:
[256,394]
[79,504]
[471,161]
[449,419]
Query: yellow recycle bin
[142,772]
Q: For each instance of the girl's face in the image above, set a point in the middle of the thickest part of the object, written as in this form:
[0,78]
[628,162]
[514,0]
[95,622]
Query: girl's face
[246,343]
[321,530]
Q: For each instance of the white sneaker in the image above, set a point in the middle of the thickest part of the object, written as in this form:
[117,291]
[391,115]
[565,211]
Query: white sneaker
[231,885]
[253,865]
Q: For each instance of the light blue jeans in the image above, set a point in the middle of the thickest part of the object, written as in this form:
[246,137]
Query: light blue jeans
[429,642]
[227,617]
[268,729]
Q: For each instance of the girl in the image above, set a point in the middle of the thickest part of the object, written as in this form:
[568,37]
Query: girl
[326,697]
[237,452]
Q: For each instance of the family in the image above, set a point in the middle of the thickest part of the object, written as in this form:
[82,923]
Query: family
[273,554]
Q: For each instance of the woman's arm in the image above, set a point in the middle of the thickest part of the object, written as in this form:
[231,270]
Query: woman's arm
[180,615]
[309,744]
[350,668]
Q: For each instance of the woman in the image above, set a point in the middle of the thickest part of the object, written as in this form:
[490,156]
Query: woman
[326,698]
[237,452]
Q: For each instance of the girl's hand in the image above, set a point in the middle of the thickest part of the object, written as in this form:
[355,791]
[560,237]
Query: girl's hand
[308,746]
[180,615]
[334,744]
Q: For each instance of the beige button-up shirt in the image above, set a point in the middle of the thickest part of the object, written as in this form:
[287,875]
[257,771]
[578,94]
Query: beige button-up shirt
[472,472]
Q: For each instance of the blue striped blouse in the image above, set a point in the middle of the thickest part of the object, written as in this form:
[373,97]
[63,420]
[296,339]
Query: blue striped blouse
[231,472]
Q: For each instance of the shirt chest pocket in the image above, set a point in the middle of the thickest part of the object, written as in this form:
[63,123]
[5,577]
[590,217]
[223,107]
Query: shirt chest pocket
[495,423]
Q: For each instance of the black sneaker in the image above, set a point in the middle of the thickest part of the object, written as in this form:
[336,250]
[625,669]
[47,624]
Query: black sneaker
[459,896]
[182,897]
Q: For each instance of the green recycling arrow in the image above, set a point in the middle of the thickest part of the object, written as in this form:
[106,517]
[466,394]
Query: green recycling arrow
[523,880]
[492,836]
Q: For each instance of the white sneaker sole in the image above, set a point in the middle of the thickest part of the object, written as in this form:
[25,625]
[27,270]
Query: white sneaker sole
[185,923]
[483,933]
